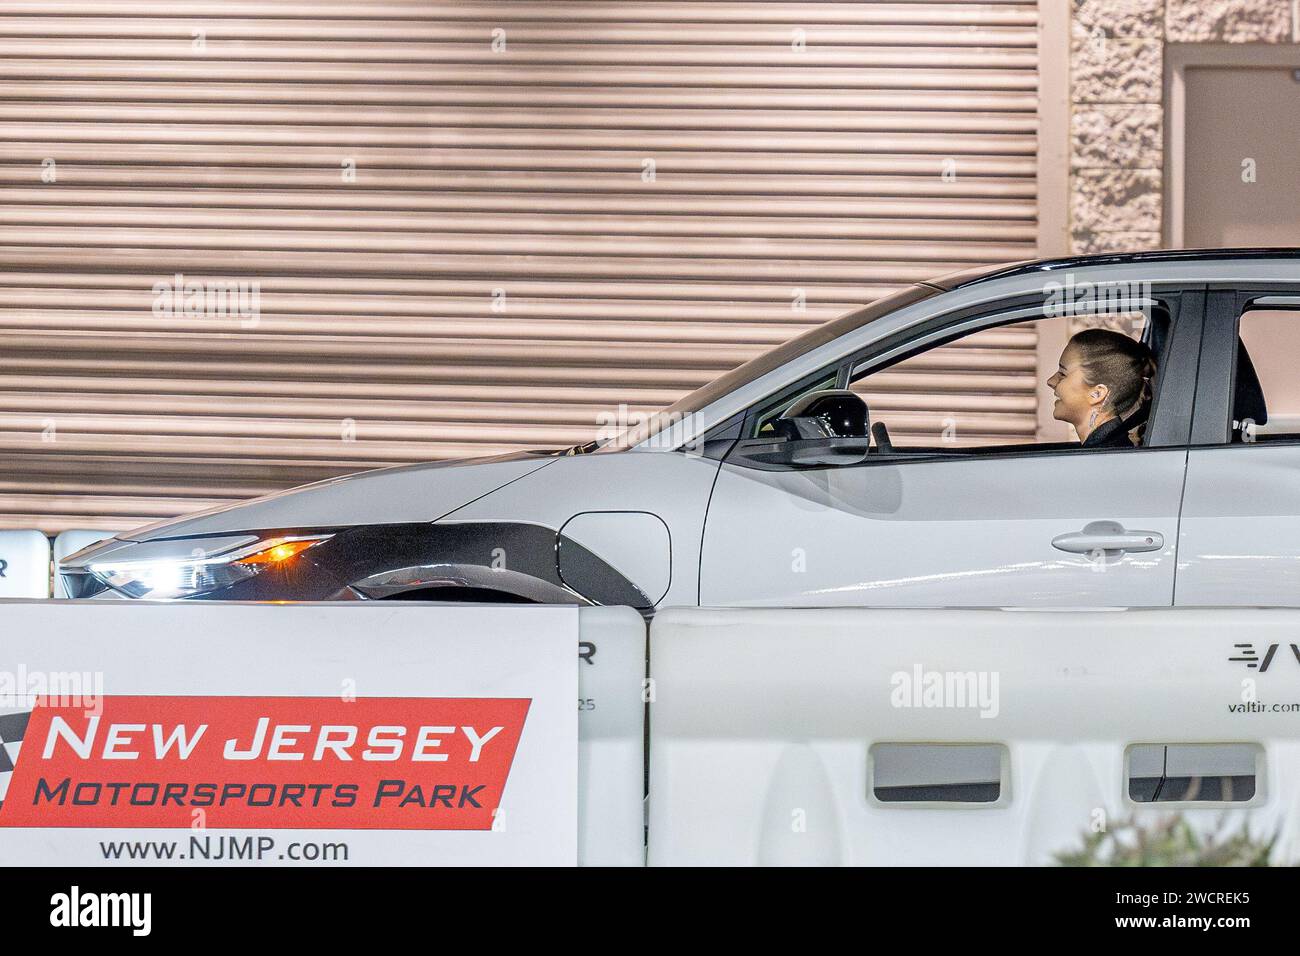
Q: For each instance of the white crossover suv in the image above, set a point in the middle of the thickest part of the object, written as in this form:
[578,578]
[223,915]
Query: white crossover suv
[838,469]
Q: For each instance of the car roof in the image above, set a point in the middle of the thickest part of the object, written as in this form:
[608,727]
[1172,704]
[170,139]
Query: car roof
[968,277]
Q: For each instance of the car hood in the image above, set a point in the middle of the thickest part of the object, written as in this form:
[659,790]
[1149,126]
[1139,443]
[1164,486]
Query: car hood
[406,493]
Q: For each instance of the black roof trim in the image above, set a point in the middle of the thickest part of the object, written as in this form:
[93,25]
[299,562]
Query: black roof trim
[957,280]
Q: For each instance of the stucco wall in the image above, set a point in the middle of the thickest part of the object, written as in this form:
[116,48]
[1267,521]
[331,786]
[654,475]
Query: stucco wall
[1117,50]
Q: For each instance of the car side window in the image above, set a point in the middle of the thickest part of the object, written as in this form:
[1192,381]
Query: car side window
[763,421]
[1266,390]
[981,391]
[989,389]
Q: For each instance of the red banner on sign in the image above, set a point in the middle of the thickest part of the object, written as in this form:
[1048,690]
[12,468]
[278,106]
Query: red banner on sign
[388,763]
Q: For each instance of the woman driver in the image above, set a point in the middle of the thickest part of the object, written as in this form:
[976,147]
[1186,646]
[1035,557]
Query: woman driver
[1103,376]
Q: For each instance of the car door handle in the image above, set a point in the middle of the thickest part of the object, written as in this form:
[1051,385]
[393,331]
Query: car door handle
[1108,536]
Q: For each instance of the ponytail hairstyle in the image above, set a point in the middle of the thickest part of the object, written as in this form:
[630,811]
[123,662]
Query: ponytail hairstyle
[1123,364]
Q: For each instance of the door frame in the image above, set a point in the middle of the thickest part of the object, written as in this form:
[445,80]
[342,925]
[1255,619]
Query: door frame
[1217,377]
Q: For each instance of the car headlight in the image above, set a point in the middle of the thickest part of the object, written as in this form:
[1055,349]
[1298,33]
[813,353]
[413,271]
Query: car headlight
[166,570]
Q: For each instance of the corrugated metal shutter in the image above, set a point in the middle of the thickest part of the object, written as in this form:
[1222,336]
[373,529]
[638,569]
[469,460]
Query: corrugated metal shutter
[980,390]
[504,265]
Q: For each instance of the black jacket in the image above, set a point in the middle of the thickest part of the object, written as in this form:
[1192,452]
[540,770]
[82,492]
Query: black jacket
[1109,434]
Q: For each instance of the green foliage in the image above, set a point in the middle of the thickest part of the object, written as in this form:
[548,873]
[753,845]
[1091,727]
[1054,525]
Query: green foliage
[1169,841]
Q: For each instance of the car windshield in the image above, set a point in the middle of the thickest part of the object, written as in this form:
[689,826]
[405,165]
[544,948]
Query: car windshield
[756,367]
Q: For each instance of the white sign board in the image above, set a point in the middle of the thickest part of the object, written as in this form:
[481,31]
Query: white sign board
[24,564]
[611,737]
[184,734]
[939,737]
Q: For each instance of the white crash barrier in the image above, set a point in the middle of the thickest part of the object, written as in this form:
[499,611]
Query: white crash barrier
[611,737]
[70,542]
[819,736]
[284,731]
[24,564]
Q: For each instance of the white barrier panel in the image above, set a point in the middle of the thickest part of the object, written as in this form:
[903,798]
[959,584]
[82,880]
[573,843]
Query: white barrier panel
[70,542]
[24,564]
[775,734]
[611,737]
[276,734]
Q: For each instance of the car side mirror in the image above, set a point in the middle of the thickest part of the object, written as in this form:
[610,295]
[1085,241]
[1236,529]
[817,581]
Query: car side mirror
[801,452]
[826,413]
[826,451]
[823,428]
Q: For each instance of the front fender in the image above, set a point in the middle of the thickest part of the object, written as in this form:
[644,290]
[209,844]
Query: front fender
[399,581]
[513,557]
